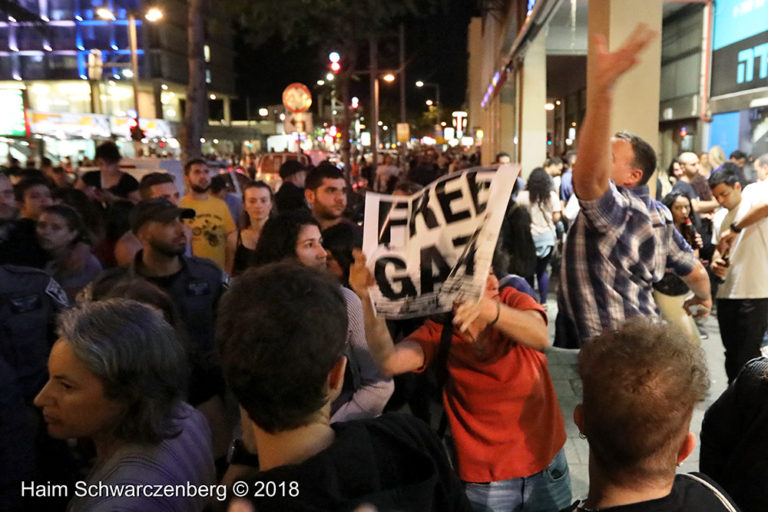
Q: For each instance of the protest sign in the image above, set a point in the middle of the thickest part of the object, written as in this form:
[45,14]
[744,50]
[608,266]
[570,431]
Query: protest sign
[433,248]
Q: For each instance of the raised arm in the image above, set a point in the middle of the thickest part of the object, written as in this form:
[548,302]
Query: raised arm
[592,172]
[375,389]
[391,359]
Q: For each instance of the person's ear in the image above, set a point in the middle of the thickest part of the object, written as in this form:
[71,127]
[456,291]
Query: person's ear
[141,234]
[309,195]
[335,380]
[689,443]
[637,176]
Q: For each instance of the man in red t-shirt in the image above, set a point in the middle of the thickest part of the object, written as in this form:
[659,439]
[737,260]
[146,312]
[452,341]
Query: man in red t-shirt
[499,397]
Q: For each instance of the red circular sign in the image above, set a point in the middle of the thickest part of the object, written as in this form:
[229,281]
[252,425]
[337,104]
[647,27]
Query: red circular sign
[297,98]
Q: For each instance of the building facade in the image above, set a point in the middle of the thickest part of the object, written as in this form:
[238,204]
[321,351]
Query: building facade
[72,61]
[527,72]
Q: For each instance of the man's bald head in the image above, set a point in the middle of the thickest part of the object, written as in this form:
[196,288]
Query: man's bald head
[690,163]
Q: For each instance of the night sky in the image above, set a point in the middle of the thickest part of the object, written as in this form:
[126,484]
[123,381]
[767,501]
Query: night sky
[436,51]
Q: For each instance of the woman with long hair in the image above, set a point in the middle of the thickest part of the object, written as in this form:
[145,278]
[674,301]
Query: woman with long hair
[295,237]
[543,203]
[62,234]
[241,244]
[671,292]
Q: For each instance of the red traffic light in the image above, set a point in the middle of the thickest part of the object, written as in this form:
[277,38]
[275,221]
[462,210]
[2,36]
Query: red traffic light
[335,67]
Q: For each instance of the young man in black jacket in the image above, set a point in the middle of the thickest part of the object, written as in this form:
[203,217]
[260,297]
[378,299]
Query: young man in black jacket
[281,335]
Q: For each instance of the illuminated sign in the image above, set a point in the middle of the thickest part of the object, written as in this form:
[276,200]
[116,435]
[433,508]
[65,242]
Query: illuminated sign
[740,57]
[736,20]
[12,121]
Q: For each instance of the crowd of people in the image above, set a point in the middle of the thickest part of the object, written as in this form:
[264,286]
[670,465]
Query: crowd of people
[197,342]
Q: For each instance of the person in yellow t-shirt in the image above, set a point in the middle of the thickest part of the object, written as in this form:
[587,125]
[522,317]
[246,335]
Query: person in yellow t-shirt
[212,222]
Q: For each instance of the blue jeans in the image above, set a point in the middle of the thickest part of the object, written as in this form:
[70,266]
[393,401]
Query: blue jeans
[546,491]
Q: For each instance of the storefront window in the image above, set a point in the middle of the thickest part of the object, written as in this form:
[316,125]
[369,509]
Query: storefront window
[746,130]
[117,98]
[72,97]
[171,106]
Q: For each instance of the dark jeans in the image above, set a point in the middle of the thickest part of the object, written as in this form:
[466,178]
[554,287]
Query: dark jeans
[742,325]
[542,278]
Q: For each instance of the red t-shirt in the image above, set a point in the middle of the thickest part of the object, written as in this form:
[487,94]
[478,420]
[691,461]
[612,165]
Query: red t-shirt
[501,405]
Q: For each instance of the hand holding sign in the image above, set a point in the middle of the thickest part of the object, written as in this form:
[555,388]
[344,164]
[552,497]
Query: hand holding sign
[360,277]
[474,317]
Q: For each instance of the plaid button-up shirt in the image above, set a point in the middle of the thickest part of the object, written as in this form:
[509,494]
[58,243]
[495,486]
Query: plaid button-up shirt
[618,246]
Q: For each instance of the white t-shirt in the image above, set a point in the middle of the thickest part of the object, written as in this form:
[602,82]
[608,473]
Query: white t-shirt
[541,213]
[747,276]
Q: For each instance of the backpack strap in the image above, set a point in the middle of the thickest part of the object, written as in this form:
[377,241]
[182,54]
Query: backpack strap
[720,496]
[440,366]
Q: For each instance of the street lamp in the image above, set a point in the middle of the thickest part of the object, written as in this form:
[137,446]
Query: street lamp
[429,103]
[389,78]
[152,15]
[421,84]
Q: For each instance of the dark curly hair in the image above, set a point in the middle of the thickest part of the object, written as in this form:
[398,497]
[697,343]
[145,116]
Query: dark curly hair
[281,329]
[540,186]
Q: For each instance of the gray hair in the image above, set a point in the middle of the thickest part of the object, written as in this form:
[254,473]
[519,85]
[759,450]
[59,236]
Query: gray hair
[135,353]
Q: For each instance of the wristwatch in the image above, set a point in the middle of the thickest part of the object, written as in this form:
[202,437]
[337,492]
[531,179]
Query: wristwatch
[734,228]
[239,454]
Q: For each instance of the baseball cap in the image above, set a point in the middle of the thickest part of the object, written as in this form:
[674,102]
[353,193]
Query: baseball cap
[291,167]
[158,209]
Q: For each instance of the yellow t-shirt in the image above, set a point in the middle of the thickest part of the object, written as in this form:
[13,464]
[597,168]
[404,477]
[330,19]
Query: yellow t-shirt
[210,227]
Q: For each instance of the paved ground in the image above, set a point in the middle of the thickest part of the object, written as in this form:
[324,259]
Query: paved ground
[564,371]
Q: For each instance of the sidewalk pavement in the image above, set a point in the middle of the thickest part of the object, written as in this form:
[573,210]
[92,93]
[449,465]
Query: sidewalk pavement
[563,367]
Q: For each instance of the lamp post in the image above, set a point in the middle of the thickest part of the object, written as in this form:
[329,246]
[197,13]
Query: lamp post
[153,14]
[437,95]
[132,39]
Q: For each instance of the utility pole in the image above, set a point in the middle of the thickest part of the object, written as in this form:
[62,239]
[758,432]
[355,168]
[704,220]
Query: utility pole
[402,73]
[402,92]
[374,58]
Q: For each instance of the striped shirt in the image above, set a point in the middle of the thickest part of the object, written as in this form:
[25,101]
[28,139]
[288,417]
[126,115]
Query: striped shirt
[130,479]
[619,245]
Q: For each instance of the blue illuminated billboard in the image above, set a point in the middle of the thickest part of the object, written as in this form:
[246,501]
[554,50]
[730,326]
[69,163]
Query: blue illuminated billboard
[740,48]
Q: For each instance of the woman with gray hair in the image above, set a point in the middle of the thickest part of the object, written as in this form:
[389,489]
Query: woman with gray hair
[117,375]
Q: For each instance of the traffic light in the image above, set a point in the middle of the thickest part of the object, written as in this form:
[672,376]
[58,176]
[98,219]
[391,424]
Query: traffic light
[136,133]
[355,103]
[335,59]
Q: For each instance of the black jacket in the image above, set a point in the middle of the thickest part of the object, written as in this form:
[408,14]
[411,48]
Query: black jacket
[734,438]
[394,462]
[290,197]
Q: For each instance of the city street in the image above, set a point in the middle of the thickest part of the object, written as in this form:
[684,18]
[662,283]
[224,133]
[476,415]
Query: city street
[563,367]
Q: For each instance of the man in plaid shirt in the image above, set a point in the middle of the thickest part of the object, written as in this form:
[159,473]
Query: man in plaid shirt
[622,240]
